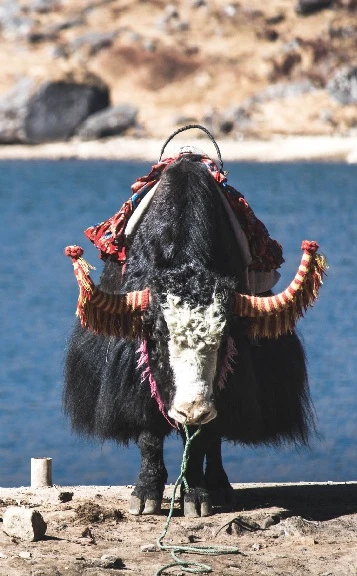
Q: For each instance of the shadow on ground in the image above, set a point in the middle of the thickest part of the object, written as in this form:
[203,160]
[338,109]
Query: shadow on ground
[316,502]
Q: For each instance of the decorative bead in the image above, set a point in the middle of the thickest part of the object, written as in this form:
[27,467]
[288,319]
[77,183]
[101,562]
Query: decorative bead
[74,251]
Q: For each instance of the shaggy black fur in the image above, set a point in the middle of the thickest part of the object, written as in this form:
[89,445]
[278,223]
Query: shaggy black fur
[185,245]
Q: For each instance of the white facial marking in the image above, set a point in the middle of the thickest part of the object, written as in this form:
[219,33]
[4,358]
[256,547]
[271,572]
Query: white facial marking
[195,337]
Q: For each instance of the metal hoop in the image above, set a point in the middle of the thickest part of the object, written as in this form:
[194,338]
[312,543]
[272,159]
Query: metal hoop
[188,127]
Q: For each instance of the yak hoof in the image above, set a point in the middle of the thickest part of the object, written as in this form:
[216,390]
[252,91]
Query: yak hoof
[152,507]
[189,510]
[196,508]
[138,506]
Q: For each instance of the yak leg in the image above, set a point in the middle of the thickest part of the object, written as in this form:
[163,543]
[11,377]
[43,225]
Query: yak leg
[220,490]
[147,495]
[196,500]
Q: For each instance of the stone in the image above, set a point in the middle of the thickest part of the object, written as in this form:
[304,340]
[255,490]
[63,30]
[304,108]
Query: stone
[93,42]
[24,524]
[65,496]
[270,521]
[343,87]
[13,23]
[148,548]
[13,110]
[25,555]
[109,561]
[282,90]
[111,122]
[305,7]
[298,527]
[58,108]
[44,6]
[51,112]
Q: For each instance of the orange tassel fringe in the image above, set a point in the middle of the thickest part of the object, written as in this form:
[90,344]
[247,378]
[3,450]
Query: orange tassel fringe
[275,315]
[117,315]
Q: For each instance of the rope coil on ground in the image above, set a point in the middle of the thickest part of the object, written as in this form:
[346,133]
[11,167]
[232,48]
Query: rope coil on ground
[187,565]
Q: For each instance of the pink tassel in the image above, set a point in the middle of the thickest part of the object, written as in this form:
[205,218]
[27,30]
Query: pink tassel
[228,362]
[147,374]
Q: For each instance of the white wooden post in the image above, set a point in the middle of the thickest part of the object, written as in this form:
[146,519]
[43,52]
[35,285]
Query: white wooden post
[41,472]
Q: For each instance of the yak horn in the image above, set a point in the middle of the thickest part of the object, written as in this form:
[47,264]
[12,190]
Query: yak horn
[274,315]
[117,315]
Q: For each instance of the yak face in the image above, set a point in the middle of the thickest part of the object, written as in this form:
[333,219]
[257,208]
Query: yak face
[195,335]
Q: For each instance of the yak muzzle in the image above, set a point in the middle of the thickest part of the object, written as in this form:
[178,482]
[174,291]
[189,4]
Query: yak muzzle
[193,413]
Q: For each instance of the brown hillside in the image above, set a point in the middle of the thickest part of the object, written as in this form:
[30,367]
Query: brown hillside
[244,69]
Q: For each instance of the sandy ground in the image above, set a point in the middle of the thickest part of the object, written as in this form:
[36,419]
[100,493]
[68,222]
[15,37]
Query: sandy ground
[278,529]
[304,148]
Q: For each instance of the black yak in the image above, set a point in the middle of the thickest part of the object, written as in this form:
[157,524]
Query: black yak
[173,334]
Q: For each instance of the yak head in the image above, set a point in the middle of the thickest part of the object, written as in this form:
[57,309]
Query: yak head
[194,339]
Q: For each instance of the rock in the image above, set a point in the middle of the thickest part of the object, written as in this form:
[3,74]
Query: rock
[282,90]
[343,87]
[230,10]
[111,122]
[297,526]
[305,7]
[276,19]
[349,31]
[13,110]
[109,561]
[65,496]
[13,23]
[24,523]
[93,42]
[25,555]
[148,548]
[51,32]
[43,6]
[198,3]
[57,109]
[51,112]
[269,34]
[270,521]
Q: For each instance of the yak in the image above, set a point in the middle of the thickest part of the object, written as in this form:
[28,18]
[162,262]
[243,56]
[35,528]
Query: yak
[184,329]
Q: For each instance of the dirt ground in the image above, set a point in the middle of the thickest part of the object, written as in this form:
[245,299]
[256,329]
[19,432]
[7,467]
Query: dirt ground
[281,529]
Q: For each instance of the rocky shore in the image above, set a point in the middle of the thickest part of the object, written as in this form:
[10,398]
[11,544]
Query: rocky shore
[97,69]
[296,529]
[289,149]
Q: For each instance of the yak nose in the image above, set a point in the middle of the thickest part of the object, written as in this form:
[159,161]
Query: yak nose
[193,413]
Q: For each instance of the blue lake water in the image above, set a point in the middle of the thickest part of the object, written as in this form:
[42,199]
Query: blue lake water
[45,206]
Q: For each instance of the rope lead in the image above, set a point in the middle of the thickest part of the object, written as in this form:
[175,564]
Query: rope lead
[188,566]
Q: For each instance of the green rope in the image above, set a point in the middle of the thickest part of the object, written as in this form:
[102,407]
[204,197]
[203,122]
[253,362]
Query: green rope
[196,567]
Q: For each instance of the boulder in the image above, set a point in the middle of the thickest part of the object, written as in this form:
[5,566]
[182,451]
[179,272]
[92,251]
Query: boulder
[51,112]
[305,7]
[57,109]
[92,42]
[13,110]
[43,6]
[343,87]
[24,523]
[111,122]
[13,22]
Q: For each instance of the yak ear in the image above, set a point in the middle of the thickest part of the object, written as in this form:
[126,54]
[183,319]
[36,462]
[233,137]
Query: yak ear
[272,316]
[117,315]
